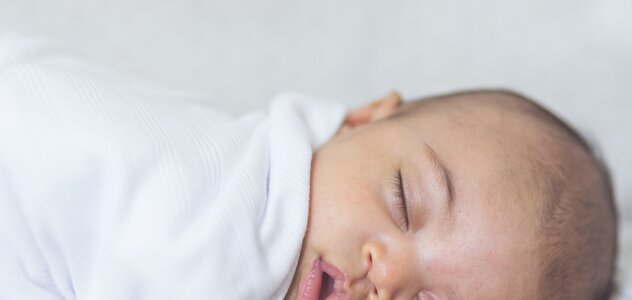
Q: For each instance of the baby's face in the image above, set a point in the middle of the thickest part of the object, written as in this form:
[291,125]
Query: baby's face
[435,206]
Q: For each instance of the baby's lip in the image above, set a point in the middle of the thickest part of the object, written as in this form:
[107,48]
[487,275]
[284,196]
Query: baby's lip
[323,281]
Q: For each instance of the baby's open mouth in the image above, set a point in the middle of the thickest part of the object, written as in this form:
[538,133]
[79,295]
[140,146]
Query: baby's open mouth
[323,282]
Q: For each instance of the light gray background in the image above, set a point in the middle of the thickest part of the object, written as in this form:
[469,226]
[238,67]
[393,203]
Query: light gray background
[575,56]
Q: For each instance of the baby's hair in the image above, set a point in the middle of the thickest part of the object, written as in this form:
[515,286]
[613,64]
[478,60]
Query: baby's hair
[579,222]
[578,226]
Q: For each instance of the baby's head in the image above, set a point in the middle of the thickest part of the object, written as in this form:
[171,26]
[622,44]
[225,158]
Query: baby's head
[473,195]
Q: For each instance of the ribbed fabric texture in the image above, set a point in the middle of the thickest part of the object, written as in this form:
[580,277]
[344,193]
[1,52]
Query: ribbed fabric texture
[111,188]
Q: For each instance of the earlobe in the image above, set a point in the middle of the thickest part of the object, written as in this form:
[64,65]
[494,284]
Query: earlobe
[377,110]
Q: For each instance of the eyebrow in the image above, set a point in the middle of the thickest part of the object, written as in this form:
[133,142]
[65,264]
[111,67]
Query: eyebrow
[445,177]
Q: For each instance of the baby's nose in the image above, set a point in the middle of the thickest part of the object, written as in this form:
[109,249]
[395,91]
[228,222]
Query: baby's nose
[388,270]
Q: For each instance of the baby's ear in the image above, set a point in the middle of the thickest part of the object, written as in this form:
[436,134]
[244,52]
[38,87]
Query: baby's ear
[377,110]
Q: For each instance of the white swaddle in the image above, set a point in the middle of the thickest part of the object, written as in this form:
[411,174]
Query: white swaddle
[111,189]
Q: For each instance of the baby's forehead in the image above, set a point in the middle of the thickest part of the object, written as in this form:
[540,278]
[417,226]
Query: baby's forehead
[479,106]
[502,145]
[504,122]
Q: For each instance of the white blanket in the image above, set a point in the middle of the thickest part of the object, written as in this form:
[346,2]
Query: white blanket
[112,189]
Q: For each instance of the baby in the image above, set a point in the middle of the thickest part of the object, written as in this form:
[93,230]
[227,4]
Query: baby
[111,188]
[471,195]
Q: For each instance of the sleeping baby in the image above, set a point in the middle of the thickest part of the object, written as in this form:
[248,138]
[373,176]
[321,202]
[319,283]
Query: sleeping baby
[471,195]
[112,188]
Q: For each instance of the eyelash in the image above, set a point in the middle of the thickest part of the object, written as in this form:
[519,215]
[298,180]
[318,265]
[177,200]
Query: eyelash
[400,203]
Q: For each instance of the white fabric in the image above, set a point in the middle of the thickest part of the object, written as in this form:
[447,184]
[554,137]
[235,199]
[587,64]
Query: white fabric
[112,189]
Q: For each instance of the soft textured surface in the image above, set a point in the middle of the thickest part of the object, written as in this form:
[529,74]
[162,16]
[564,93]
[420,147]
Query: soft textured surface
[111,189]
[572,55]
